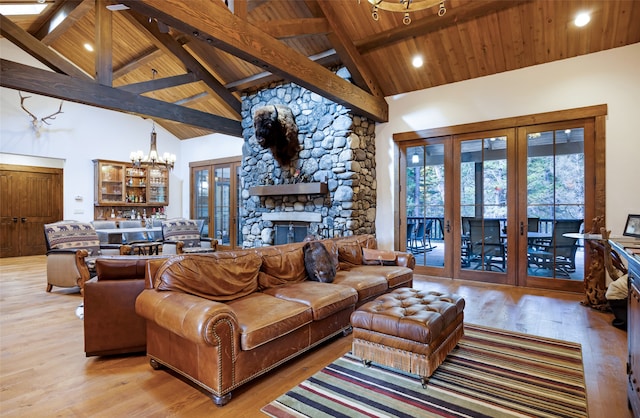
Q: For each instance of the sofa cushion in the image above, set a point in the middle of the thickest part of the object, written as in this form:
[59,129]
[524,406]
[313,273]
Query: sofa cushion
[350,249]
[282,264]
[367,284]
[325,299]
[395,275]
[263,318]
[214,276]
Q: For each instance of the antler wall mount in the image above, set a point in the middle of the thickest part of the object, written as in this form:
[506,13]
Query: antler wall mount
[35,122]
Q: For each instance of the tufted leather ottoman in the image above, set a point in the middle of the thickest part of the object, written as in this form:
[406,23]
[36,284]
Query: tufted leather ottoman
[408,329]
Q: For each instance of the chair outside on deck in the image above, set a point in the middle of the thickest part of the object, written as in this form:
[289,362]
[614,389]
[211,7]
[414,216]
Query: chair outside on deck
[72,248]
[486,245]
[183,236]
[558,254]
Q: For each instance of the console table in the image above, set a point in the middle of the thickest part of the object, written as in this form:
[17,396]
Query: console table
[631,251]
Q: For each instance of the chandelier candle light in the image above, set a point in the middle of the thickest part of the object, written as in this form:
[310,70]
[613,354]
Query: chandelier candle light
[405,6]
[153,158]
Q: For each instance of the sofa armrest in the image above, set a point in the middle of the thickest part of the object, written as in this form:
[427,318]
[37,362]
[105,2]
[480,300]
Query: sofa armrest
[191,317]
[405,259]
[68,263]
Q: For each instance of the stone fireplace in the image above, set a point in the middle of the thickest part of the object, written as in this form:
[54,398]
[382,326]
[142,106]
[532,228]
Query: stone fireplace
[329,189]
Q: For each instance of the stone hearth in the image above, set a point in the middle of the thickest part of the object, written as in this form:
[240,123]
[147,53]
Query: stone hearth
[337,148]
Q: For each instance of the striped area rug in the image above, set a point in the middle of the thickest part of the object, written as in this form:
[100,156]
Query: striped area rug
[493,373]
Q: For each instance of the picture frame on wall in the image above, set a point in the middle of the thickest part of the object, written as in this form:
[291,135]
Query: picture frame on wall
[632,227]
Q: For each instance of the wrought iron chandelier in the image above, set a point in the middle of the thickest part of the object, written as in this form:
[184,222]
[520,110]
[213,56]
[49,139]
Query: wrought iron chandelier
[404,6]
[153,158]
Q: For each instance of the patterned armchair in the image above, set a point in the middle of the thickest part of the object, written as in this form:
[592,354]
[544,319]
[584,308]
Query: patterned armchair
[71,251]
[183,236]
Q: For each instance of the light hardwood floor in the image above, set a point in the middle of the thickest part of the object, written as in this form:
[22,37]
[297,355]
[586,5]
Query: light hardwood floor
[44,371]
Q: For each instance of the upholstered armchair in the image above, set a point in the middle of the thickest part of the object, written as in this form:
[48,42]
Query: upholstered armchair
[183,236]
[71,251]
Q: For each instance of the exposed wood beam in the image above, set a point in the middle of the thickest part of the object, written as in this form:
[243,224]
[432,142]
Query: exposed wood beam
[362,74]
[240,8]
[232,102]
[291,28]
[34,80]
[326,59]
[211,22]
[104,42]
[160,83]
[138,62]
[193,99]
[38,50]
[66,16]
[431,24]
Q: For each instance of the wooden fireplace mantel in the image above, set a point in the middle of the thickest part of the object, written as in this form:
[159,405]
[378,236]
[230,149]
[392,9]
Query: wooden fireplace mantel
[289,189]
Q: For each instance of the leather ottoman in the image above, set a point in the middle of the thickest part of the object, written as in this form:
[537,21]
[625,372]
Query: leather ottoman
[408,329]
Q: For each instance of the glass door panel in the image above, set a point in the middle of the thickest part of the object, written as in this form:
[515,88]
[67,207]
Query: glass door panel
[425,205]
[201,197]
[555,203]
[221,206]
[483,207]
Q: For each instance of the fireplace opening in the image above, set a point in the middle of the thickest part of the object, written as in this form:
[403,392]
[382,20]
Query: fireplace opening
[286,233]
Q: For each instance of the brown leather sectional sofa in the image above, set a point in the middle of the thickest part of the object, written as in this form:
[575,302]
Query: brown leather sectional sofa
[224,318]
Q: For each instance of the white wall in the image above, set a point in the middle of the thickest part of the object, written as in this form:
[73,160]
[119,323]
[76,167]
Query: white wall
[608,77]
[83,133]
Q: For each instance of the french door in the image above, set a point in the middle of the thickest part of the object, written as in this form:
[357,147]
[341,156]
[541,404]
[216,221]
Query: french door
[504,205]
[214,198]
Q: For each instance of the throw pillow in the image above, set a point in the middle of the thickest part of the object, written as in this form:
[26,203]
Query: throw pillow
[318,262]
[378,257]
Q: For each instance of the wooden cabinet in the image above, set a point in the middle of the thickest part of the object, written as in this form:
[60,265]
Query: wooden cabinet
[121,188]
[629,249]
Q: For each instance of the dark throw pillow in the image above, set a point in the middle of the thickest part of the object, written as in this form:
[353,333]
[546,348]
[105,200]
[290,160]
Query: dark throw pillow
[318,262]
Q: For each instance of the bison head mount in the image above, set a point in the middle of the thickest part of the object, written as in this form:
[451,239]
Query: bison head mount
[275,128]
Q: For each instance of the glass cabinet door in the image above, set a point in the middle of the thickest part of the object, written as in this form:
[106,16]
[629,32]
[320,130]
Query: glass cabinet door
[158,185]
[109,182]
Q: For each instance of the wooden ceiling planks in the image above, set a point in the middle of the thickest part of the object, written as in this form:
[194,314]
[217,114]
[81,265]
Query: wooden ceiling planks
[475,38]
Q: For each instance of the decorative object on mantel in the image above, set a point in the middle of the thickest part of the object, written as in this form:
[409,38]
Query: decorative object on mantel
[404,6]
[37,123]
[275,128]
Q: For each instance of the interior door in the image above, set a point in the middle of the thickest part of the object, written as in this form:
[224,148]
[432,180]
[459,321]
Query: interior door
[29,198]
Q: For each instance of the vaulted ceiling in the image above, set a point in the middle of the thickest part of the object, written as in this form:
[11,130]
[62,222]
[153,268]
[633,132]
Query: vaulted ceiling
[186,63]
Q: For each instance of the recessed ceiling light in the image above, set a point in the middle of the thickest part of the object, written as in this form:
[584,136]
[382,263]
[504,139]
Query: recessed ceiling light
[582,19]
[22,9]
[417,61]
[88,47]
